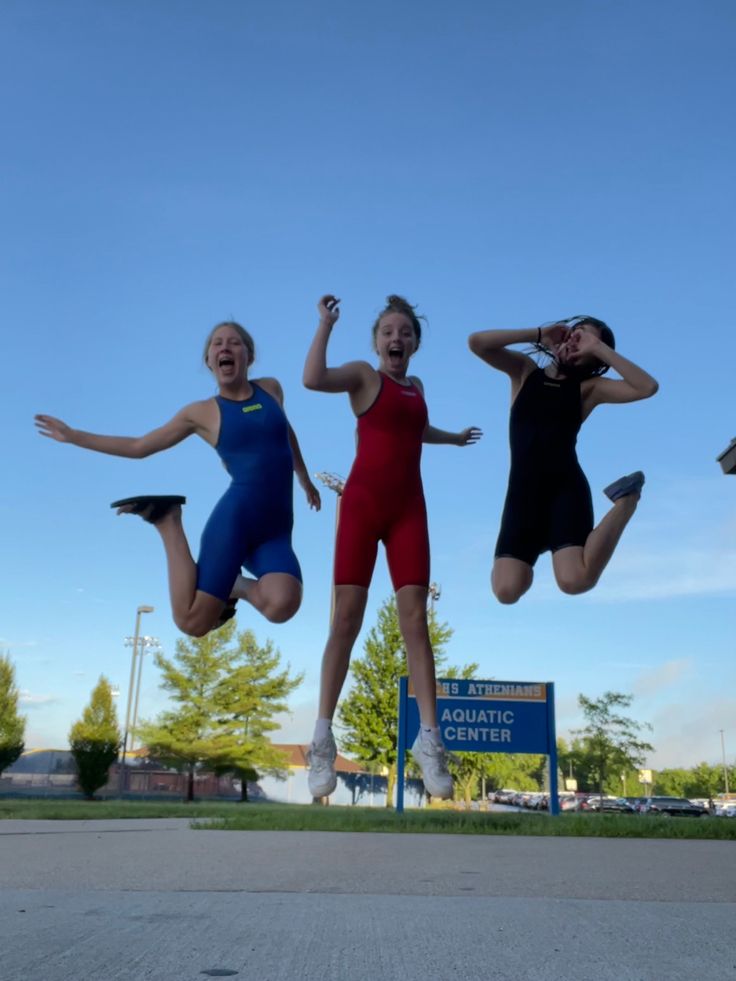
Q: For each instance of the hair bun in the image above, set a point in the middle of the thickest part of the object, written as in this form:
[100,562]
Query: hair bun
[397,304]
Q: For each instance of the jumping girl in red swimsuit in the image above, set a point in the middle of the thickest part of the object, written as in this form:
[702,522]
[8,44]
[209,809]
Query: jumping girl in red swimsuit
[383,501]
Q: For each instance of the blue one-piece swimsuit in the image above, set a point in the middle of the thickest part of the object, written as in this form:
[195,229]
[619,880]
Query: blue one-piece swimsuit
[251,524]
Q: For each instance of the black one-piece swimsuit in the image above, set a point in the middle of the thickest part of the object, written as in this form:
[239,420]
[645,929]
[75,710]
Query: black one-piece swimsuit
[548,503]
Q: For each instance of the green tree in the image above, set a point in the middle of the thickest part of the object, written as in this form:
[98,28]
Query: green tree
[579,761]
[705,780]
[514,771]
[95,739]
[182,737]
[225,693]
[369,712]
[610,743]
[467,769]
[12,725]
[702,780]
[671,782]
[246,701]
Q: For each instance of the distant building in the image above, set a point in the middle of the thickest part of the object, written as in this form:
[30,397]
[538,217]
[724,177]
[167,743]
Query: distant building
[353,782]
[52,772]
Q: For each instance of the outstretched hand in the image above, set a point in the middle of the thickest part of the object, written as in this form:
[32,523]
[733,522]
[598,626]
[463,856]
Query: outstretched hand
[329,309]
[313,497]
[53,428]
[470,435]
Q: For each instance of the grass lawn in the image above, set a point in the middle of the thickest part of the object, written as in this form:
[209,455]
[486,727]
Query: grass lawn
[219,815]
[49,809]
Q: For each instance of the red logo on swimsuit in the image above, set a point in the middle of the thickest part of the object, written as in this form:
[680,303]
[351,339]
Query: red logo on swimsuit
[411,394]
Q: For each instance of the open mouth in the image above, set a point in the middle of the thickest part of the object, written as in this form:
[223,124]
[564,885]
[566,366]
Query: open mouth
[226,362]
[395,353]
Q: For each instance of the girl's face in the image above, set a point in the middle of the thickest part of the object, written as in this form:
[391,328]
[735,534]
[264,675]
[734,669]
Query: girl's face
[395,342]
[574,349]
[228,357]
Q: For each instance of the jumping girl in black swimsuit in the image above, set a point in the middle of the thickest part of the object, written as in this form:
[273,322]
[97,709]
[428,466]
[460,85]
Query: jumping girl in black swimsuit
[548,504]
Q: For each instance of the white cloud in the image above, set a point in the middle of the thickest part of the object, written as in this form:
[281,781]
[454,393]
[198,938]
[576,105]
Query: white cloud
[661,677]
[681,542]
[670,572]
[685,735]
[28,700]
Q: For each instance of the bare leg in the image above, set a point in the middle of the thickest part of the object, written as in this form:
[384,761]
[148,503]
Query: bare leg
[411,603]
[347,617]
[347,620]
[195,613]
[277,595]
[578,569]
[428,750]
[510,579]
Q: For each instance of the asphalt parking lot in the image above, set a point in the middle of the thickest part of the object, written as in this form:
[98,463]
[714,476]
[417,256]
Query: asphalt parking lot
[124,900]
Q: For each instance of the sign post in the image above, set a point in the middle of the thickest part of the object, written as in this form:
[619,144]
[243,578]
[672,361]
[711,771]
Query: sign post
[486,717]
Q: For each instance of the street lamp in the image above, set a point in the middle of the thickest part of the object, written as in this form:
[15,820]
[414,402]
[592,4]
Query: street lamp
[139,611]
[337,484]
[725,768]
[146,645]
[434,593]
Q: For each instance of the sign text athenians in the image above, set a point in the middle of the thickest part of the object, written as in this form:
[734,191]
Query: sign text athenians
[486,717]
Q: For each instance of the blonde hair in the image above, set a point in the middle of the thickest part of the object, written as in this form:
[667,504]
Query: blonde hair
[242,333]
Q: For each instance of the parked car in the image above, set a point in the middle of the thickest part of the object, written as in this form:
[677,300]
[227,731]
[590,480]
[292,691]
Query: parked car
[571,803]
[610,805]
[533,801]
[672,807]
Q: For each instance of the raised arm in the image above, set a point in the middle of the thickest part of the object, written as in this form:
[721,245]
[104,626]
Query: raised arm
[186,422]
[350,377]
[635,383]
[492,346]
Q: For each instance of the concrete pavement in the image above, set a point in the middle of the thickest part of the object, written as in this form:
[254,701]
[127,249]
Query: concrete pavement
[125,900]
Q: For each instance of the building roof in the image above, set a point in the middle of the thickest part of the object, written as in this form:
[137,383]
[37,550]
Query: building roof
[43,759]
[296,756]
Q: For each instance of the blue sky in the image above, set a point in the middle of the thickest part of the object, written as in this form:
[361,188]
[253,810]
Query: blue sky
[170,165]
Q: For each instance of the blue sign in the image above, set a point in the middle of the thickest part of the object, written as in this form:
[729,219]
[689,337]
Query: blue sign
[485,717]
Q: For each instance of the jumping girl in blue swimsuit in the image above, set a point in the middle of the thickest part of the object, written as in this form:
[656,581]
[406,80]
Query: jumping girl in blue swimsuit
[250,526]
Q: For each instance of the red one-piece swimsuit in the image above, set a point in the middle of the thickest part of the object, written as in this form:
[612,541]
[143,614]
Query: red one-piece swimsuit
[383,499]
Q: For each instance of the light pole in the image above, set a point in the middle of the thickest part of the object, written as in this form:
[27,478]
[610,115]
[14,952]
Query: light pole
[139,611]
[337,484]
[146,645]
[434,592]
[727,460]
[723,754]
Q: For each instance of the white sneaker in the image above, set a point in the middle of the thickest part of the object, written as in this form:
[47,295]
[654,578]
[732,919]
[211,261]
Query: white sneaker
[431,758]
[322,778]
